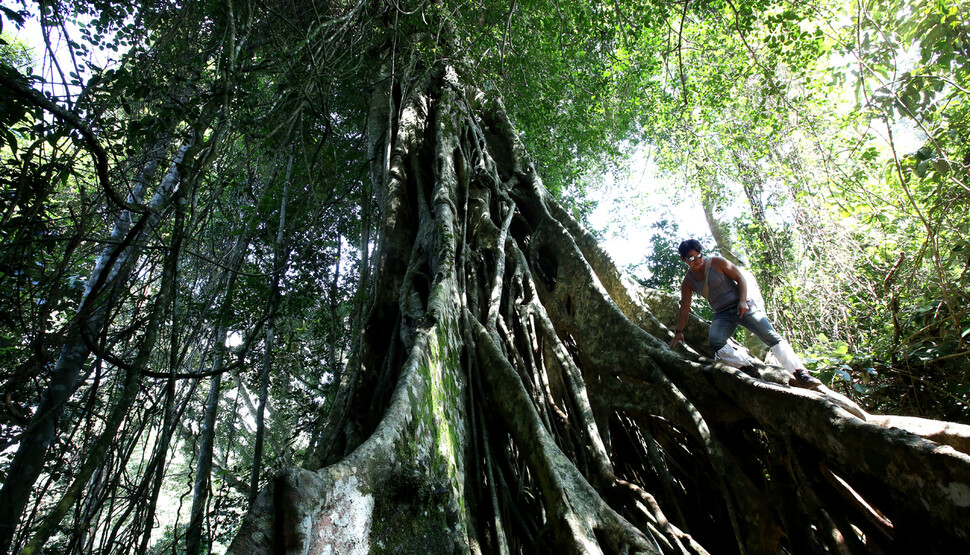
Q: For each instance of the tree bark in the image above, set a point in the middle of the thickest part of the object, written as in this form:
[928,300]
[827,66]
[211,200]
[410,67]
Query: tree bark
[203,468]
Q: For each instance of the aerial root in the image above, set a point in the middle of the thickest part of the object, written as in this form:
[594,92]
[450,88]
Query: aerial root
[844,403]
[578,515]
[576,386]
[673,537]
[832,535]
[649,443]
[877,525]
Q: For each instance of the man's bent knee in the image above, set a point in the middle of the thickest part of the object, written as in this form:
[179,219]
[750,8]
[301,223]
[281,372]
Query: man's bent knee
[716,343]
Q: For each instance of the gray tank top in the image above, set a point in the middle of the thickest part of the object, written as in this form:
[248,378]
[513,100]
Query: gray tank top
[722,291]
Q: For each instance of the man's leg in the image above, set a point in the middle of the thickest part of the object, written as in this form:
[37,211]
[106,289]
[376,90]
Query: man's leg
[722,328]
[756,321]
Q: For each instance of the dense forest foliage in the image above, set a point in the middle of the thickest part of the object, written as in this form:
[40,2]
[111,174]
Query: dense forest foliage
[189,214]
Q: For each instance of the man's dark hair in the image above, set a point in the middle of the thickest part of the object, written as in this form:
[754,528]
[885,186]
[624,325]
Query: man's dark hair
[689,245]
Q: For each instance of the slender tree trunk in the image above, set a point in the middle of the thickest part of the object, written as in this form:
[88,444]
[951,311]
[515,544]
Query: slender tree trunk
[260,431]
[110,273]
[280,258]
[721,233]
[332,442]
[203,471]
[171,280]
[335,355]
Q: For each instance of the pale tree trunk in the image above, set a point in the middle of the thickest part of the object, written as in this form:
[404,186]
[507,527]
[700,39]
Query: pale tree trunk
[169,423]
[723,238]
[203,469]
[260,432]
[110,273]
[512,392]
[119,410]
[720,230]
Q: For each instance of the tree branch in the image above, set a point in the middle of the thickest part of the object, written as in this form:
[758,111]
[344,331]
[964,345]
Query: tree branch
[100,156]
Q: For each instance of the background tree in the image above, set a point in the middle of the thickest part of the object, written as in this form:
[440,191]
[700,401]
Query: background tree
[160,97]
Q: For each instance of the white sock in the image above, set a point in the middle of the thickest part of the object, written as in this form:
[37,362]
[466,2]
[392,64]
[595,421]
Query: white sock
[732,357]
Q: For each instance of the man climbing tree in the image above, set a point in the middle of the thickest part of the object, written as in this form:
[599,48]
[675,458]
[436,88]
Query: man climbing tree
[726,288]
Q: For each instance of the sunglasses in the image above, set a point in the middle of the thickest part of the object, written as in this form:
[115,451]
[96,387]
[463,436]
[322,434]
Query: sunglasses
[690,259]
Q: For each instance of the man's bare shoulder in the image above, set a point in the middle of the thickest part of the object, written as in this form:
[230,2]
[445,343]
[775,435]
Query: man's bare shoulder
[720,263]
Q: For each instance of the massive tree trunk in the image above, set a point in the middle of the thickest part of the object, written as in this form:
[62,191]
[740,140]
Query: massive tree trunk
[511,392]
